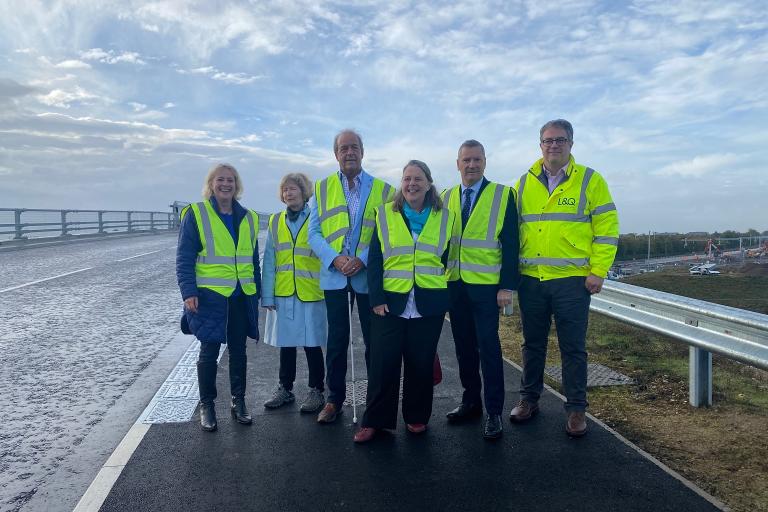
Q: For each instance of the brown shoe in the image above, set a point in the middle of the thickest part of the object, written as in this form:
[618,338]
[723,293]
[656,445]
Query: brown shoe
[523,411]
[364,435]
[576,426]
[329,413]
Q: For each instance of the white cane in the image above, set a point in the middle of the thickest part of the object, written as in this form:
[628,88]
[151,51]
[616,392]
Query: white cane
[352,357]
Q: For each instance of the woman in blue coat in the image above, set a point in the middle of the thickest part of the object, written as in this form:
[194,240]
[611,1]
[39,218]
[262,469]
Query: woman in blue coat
[217,268]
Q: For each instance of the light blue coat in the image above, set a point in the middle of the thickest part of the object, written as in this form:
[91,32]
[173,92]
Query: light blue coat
[294,323]
[330,278]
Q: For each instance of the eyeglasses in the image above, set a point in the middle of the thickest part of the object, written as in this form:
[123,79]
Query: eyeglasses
[560,141]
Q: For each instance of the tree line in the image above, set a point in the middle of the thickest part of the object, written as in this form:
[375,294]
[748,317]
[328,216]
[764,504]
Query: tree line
[634,246]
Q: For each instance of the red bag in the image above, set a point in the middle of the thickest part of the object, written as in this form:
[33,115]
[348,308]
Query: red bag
[437,371]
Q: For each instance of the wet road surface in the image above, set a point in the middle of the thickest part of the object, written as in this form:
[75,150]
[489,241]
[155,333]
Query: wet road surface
[79,326]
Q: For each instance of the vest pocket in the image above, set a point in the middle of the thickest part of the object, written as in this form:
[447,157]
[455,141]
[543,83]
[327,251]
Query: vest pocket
[574,245]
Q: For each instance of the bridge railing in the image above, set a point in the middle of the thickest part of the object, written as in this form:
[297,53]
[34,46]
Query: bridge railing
[704,326]
[25,223]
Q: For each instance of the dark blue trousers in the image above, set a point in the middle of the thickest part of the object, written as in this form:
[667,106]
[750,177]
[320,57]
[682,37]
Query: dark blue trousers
[475,327]
[336,304]
[568,301]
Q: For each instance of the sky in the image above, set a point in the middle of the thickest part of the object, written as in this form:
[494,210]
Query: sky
[125,104]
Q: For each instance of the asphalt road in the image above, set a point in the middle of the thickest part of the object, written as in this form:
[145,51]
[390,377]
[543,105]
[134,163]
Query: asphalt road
[82,324]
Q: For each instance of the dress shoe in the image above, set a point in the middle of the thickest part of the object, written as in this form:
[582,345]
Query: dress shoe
[576,426]
[329,413]
[240,412]
[465,412]
[207,417]
[364,435]
[523,411]
[416,428]
[493,428]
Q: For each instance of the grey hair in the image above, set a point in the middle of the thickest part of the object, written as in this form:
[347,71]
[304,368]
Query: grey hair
[301,180]
[471,143]
[558,123]
[208,183]
[432,198]
[342,132]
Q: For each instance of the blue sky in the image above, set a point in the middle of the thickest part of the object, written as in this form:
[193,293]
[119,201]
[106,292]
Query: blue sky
[126,104]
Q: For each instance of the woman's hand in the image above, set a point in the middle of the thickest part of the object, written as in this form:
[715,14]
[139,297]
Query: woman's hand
[381,309]
[190,304]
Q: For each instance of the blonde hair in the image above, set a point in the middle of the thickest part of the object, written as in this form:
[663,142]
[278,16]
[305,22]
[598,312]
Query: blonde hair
[208,183]
[432,198]
[300,180]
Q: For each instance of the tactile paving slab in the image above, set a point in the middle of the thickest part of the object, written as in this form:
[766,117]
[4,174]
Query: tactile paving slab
[597,375]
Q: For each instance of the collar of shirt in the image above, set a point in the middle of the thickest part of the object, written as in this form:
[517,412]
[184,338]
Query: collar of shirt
[357,179]
[475,188]
[558,174]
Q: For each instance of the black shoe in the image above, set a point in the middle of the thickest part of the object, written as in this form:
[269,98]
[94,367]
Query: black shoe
[207,417]
[239,411]
[465,412]
[493,428]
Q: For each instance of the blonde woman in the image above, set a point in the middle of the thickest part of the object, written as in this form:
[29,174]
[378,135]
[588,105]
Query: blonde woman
[217,267]
[292,294]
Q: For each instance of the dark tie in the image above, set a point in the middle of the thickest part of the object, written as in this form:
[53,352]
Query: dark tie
[467,206]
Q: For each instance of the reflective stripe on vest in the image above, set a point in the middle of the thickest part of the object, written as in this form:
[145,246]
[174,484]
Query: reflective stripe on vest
[333,214]
[407,262]
[556,229]
[220,265]
[297,269]
[475,253]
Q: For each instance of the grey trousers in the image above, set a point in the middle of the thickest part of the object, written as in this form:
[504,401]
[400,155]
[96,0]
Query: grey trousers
[568,301]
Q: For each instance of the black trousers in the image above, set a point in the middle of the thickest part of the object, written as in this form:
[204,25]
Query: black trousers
[315,364]
[410,343]
[337,304]
[568,301]
[475,328]
[237,333]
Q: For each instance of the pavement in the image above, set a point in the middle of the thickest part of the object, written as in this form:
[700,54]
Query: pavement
[286,461]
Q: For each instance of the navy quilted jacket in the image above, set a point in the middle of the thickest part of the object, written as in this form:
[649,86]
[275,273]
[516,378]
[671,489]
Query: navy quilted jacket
[209,324]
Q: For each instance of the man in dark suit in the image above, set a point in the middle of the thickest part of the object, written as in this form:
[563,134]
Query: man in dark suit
[482,273]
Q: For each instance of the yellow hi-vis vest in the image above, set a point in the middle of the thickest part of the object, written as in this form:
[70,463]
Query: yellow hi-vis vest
[297,269]
[333,214]
[406,262]
[572,232]
[475,253]
[220,265]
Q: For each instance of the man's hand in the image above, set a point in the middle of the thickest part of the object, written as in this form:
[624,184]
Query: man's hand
[381,309]
[190,303]
[352,267]
[504,297]
[339,262]
[593,284]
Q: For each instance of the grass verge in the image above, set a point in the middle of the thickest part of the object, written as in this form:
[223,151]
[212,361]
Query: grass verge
[724,448]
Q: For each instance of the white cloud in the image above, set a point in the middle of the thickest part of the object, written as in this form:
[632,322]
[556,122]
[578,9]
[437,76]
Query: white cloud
[111,57]
[215,74]
[703,165]
[65,99]
[137,107]
[73,64]
[169,105]
[220,126]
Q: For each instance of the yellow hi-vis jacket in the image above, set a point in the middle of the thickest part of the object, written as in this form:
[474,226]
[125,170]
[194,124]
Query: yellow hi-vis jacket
[333,214]
[573,232]
[407,262]
[475,253]
[297,269]
[220,265]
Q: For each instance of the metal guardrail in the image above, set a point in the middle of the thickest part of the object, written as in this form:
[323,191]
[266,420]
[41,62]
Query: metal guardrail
[704,326]
[24,223]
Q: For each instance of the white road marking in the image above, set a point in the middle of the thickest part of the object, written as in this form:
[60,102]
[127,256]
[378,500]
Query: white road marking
[43,280]
[140,255]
